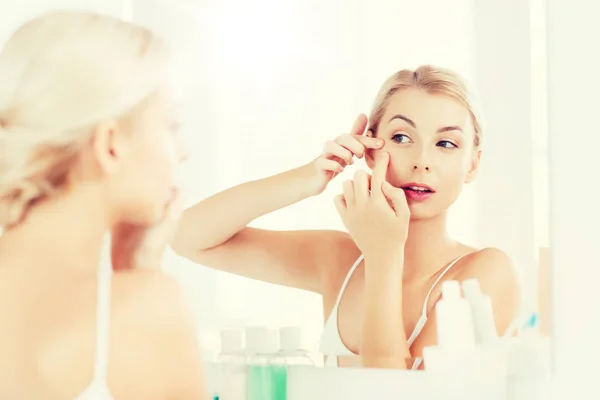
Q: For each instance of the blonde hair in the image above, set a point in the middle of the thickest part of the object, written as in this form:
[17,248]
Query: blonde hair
[432,80]
[61,75]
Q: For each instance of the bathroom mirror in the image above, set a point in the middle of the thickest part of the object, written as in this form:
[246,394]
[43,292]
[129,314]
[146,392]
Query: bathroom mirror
[266,83]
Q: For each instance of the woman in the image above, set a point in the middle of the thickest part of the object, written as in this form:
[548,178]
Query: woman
[381,280]
[89,146]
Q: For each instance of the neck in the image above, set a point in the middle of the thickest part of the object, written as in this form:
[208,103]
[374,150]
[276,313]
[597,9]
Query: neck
[67,231]
[426,238]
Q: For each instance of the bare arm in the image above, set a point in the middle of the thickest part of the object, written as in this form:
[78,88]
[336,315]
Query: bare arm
[384,343]
[218,218]
[214,232]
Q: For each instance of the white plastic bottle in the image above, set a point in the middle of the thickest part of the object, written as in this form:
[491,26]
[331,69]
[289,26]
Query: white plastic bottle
[232,360]
[291,351]
[455,333]
[291,354]
[481,311]
[455,330]
[477,371]
[254,337]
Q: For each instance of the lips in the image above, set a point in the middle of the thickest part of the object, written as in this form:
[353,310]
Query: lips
[417,191]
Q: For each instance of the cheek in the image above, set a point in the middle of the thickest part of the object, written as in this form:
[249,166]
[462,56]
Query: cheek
[157,164]
[164,158]
[399,166]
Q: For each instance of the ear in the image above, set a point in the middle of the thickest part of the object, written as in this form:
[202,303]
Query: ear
[472,174]
[370,153]
[108,147]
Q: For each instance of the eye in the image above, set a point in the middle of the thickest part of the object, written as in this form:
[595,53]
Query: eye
[446,144]
[400,138]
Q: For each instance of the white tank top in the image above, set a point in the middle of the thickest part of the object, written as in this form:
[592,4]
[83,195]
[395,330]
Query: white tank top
[331,342]
[98,388]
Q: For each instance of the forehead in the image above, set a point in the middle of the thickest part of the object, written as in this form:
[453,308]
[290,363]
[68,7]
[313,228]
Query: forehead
[427,110]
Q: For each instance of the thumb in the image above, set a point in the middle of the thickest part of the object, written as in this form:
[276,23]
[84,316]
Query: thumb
[174,207]
[395,197]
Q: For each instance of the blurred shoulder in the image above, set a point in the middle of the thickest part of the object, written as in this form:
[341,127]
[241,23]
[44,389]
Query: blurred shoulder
[153,337]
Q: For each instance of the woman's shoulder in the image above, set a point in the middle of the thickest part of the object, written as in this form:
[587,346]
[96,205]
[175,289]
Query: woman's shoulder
[496,272]
[151,301]
[499,279]
[486,261]
[153,336]
[149,325]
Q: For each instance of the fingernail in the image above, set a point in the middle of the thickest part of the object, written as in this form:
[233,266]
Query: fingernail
[380,142]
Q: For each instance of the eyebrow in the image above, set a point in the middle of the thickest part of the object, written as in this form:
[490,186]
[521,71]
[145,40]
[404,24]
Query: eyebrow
[411,123]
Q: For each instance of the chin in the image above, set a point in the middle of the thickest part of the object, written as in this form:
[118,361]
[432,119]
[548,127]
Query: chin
[420,212]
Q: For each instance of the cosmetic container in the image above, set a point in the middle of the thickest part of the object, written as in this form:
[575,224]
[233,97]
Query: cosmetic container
[482,312]
[232,360]
[467,365]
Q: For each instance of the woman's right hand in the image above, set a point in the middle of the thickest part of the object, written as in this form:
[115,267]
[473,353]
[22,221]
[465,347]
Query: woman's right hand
[339,153]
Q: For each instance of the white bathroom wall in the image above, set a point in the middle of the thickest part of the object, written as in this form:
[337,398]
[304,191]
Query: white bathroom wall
[283,78]
[266,84]
[268,91]
[504,77]
[575,256]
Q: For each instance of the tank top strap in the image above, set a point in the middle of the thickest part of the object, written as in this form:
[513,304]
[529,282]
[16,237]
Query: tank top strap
[347,280]
[439,278]
[423,318]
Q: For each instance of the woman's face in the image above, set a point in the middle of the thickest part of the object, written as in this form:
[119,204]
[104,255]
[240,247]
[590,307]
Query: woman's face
[147,176]
[430,139]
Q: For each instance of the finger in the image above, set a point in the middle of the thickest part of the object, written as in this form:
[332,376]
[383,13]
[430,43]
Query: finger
[352,144]
[174,207]
[332,148]
[361,187]
[340,204]
[370,142]
[360,125]
[176,203]
[329,165]
[396,197]
[349,193]
[379,172]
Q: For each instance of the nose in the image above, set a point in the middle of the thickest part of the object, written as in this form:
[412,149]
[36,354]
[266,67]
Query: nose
[421,161]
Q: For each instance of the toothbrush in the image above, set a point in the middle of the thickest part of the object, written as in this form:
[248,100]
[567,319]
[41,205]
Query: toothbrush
[530,323]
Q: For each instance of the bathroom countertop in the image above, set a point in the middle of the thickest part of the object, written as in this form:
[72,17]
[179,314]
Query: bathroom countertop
[354,384]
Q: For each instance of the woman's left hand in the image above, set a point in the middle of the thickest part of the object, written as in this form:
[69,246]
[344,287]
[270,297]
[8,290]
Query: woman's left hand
[377,219]
[136,246]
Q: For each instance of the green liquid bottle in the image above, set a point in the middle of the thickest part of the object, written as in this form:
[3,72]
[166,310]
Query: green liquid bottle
[262,346]
[290,355]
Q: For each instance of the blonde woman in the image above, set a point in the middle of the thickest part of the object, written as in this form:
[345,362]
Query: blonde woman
[381,280]
[88,146]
